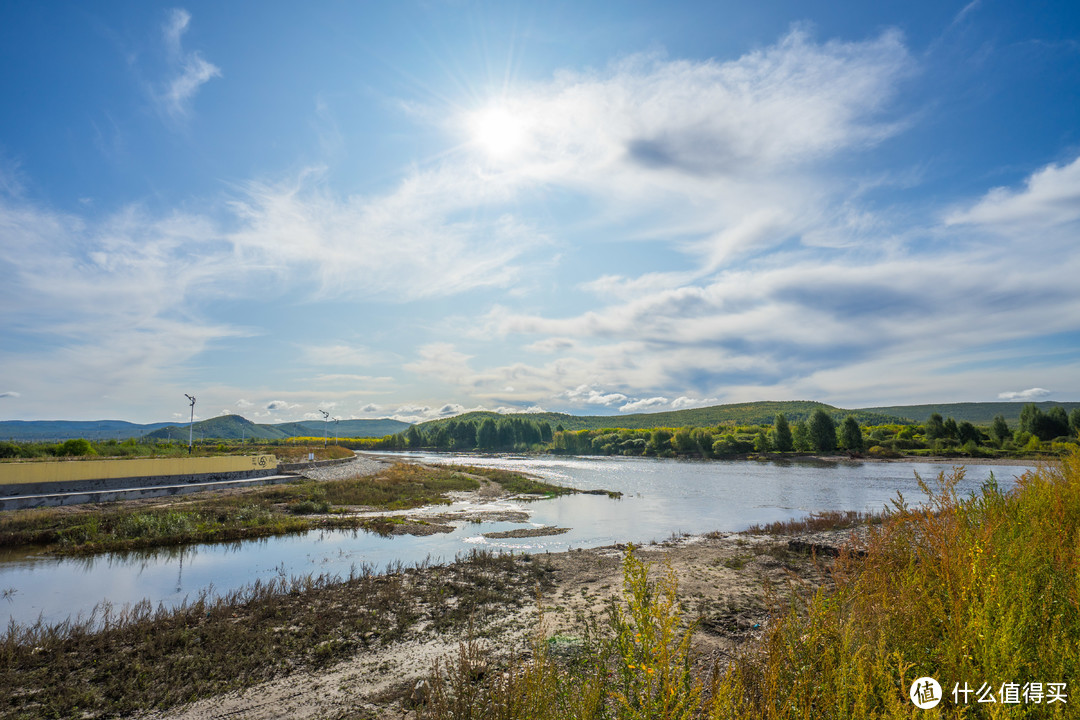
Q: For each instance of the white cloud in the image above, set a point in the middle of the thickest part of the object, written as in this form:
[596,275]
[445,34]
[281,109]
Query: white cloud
[643,404]
[9,394]
[371,408]
[1050,197]
[687,402]
[421,413]
[405,245]
[278,405]
[583,394]
[190,70]
[1029,394]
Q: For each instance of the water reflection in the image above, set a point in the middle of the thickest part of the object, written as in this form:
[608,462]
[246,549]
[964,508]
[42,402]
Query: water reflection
[661,498]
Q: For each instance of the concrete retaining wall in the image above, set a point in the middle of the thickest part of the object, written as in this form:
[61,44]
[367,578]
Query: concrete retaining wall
[81,471]
[131,493]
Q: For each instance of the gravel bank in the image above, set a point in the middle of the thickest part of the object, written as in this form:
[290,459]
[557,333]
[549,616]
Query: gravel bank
[361,465]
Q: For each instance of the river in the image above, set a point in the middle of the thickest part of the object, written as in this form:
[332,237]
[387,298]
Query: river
[660,498]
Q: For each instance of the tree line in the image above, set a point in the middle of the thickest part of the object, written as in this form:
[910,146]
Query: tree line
[819,433]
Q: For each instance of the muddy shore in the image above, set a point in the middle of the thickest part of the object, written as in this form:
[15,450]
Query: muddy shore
[721,582]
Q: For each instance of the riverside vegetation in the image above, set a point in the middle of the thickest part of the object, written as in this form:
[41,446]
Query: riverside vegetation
[112,664]
[256,512]
[1036,434]
[972,590]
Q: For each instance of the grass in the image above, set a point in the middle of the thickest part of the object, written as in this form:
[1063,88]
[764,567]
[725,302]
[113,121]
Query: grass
[967,590]
[258,512]
[637,665]
[145,659]
[517,483]
[818,522]
[398,487]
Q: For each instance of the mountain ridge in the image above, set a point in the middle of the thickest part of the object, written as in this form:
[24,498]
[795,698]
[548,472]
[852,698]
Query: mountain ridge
[235,427]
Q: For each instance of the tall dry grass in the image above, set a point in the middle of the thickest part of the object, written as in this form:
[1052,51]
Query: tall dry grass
[980,592]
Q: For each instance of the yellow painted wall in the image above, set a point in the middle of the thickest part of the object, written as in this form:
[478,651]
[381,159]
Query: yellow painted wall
[74,470]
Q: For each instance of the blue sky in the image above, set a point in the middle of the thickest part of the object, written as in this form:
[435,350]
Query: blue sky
[412,209]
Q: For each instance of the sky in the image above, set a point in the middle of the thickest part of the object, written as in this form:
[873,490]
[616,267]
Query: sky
[414,209]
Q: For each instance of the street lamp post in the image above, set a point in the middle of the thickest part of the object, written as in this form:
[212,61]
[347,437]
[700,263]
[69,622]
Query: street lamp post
[326,428]
[191,422]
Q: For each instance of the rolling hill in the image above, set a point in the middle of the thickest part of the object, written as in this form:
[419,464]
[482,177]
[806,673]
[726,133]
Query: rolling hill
[228,427]
[53,430]
[235,427]
[756,413]
[975,413]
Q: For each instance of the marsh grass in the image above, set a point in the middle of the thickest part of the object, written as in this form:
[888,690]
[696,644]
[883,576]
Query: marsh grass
[517,483]
[398,487]
[274,510]
[141,658]
[818,522]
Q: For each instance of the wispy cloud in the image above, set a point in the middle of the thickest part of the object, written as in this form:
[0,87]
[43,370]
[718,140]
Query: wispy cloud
[189,70]
[643,404]
[9,394]
[1029,394]
[1049,199]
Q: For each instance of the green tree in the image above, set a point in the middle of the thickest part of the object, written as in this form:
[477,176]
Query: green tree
[935,427]
[800,436]
[413,438]
[967,433]
[999,430]
[683,443]
[487,434]
[822,431]
[703,441]
[781,434]
[851,435]
[952,430]
[1074,420]
[1030,417]
[1057,422]
[761,441]
[659,441]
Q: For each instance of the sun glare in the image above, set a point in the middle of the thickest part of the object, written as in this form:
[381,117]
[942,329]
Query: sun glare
[497,132]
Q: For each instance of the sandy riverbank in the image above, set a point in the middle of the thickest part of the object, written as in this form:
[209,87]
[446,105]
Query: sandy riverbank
[721,579]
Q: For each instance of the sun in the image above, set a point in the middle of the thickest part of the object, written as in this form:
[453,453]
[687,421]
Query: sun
[497,132]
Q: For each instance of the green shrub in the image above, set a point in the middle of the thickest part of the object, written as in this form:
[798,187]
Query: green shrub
[77,447]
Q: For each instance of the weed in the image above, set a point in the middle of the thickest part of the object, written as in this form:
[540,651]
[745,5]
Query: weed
[117,663]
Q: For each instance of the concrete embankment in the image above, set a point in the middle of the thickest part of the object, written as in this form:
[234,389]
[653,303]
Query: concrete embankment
[42,484]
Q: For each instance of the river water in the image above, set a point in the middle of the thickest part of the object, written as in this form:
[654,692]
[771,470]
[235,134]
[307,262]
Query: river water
[660,498]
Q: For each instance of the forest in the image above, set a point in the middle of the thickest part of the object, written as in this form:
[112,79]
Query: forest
[1036,432]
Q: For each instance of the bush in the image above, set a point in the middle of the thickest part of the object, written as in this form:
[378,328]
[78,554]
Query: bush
[961,590]
[77,447]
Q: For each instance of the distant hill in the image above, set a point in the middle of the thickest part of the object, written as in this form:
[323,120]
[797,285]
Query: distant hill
[235,427]
[976,413]
[53,430]
[756,413]
[226,427]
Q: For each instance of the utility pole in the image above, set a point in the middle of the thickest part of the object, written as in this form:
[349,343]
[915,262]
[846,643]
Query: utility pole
[191,422]
[336,421]
[326,428]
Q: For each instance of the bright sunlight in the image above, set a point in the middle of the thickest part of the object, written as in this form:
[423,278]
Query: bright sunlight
[497,132]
